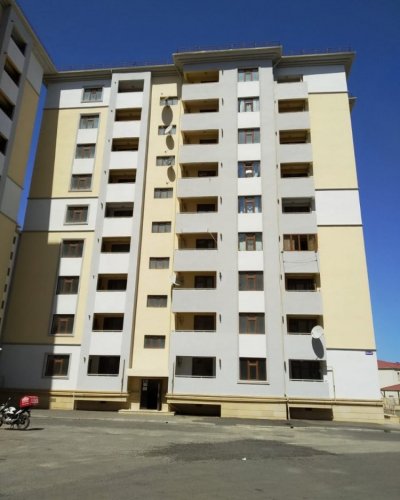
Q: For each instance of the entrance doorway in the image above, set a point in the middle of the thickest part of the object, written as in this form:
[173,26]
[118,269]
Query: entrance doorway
[150,394]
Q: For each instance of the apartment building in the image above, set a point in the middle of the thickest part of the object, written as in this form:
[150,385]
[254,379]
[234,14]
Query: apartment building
[193,243]
[22,64]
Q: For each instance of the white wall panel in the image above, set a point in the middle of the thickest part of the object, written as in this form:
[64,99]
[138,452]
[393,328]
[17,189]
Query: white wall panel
[251,302]
[248,152]
[338,208]
[251,261]
[252,346]
[34,73]
[249,119]
[248,89]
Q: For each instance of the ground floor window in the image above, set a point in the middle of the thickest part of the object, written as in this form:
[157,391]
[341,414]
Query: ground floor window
[305,370]
[103,365]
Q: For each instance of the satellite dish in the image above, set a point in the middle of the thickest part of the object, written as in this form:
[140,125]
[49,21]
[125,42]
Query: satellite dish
[168,130]
[317,332]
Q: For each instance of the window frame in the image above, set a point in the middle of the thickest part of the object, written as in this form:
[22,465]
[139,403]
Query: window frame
[166,225]
[159,260]
[248,75]
[47,357]
[84,209]
[258,319]
[86,119]
[75,186]
[56,322]
[157,301]
[85,151]
[91,91]
[249,364]
[75,244]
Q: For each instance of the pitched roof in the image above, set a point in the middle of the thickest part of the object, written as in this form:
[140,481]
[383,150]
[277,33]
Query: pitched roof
[395,387]
[382,365]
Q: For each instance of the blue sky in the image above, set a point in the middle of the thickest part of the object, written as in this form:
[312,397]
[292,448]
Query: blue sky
[97,33]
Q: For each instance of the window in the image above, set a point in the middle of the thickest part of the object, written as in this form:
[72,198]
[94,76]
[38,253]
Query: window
[305,370]
[119,210]
[205,323]
[249,204]
[115,245]
[67,285]
[248,169]
[77,214]
[301,283]
[127,176]
[167,130]
[248,104]
[301,324]
[251,323]
[165,161]
[299,242]
[251,281]
[297,205]
[186,366]
[92,94]
[250,242]
[296,170]
[62,324]
[161,227]
[159,263]
[162,192]
[249,136]
[207,173]
[72,248]
[103,365]
[108,322]
[56,365]
[85,151]
[154,341]
[6,105]
[248,75]
[81,182]
[89,121]
[157,301]
[204,281]
[168,101]
[205,243]
[111,282]
[252,369]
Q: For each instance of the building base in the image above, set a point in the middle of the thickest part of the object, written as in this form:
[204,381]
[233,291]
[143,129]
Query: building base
[366,411]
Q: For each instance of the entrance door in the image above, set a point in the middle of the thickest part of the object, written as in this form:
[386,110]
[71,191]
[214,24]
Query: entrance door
[150,396]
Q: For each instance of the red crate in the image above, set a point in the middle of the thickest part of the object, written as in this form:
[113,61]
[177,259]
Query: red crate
[28,401]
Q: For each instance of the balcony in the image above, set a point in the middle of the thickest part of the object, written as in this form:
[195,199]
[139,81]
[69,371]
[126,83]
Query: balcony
[291,90]
[16,56]
[195,323]
[302,295]
[198,186]
[197,91]
[115,227]
[297,186]
[303,347]
[114,263]
[120,192]
[191,300]
[197,222]
[126,129]
[293,121]
[5,124]
[187,343]
[195,259]
[200,121]
[8,86]
[194,170]
[110,302]
[295,153]
[123,159]
[202,77]
[129,100]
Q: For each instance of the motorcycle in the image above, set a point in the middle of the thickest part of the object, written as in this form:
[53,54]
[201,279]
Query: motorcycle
[22,417]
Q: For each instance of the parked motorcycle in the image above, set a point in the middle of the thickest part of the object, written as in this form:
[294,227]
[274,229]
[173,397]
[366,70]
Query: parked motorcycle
[18,417]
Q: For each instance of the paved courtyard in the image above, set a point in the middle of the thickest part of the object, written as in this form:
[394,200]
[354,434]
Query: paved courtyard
[67,455]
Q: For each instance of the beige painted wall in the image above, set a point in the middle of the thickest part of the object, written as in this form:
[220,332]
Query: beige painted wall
[56,151]
[21,145]
[344,287]
[156,321]
[29,313]
[7,232]
[332,141]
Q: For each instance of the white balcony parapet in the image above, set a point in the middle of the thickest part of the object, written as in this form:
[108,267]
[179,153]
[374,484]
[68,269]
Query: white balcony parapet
[198,186]
[303,223]
[291,90]
[126,129]
[293,121]
[114,263]
[295,187]
[129,100]
[110,302]
[303,302]
[121,226]
[200,222]
[193,153]
[16,55]
[301,262]
[199,91]
[87,136]
[194,300]
[9,87]
[195,259]
[200,121]
[5,125]
[120,192]
[123,159]
[295,153]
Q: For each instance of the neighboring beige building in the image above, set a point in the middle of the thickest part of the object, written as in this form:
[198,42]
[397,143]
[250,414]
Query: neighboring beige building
[22,64]
[183,243]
